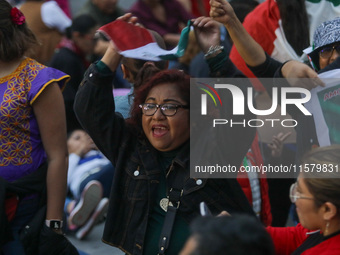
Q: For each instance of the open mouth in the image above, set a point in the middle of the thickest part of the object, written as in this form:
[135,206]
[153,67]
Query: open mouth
[159,130]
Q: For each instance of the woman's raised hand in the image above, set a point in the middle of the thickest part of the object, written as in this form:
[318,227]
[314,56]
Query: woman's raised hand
[207,32]
[221,11]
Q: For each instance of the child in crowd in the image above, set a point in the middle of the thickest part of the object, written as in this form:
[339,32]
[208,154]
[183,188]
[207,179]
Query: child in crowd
[89,180]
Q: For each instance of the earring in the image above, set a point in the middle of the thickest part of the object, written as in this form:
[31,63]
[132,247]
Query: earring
[326,230]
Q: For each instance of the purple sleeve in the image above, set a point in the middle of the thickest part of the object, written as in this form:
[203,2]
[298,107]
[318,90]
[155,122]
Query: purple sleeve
[44,78]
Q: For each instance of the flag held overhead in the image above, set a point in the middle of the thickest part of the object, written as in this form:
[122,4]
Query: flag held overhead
[133,41]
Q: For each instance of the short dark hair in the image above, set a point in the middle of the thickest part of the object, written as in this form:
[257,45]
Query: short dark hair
[15,40]
[176,77]
[82,24]
[237,235]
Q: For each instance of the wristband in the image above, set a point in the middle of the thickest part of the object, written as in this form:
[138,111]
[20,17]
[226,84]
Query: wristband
[213,49]
[54,224]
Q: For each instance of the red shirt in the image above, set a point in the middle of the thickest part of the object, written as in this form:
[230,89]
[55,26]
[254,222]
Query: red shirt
[287,240]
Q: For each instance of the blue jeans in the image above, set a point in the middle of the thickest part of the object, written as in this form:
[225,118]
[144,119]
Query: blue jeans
[104,176]
[25,211]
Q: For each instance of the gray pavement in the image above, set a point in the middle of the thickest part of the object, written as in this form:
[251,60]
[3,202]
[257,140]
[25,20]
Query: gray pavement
[92,244]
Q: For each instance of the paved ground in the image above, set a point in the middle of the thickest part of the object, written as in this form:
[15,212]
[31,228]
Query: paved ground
[93,245]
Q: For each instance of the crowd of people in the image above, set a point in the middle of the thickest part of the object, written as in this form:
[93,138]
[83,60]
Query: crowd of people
[73,154]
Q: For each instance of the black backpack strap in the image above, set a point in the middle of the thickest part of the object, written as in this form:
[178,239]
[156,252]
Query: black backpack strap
[174,200]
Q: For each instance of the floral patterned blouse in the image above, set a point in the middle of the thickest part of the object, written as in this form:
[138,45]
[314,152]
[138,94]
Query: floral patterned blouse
[21,148]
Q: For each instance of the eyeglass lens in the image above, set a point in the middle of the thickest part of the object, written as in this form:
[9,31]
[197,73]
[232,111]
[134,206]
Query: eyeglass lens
[166,109]
[328,51]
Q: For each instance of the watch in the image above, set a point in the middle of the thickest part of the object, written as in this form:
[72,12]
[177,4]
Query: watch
[54,224]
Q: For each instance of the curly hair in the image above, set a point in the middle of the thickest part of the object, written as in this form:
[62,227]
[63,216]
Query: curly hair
[176,77]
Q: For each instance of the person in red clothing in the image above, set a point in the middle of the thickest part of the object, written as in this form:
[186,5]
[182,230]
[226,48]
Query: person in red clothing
[316,195]
[197,8]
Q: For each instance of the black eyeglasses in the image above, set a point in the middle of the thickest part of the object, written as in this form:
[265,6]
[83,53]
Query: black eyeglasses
[166,109]
[327,52]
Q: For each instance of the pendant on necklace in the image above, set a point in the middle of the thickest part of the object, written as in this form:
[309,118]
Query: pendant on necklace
[164,203]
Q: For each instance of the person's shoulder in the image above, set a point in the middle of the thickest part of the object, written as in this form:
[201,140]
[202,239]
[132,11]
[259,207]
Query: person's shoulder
[122,103]
[33,65]
[45,73]
[330,246]
[65,54]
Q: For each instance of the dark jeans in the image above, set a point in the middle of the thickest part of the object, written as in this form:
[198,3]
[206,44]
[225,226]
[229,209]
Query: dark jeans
[25,211]
[104,176]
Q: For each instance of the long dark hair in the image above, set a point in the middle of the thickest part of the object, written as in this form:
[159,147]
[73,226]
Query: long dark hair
[295,23]
[179,79]
[15,39]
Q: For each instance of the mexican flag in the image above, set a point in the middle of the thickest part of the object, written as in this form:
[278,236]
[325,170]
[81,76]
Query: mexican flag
[265,26]
[320,11]
[137,42]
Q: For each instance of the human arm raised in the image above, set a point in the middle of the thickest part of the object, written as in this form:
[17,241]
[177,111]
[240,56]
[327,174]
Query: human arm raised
[111,57]
[249,49]
[207,32]
[252,52]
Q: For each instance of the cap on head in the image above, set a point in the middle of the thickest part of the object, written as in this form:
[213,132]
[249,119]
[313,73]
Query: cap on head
[327,33]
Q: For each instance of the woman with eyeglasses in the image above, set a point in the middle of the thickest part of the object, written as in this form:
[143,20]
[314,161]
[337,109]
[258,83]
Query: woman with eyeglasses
[153,199]
[316,195]
[326,45]
[151,150]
